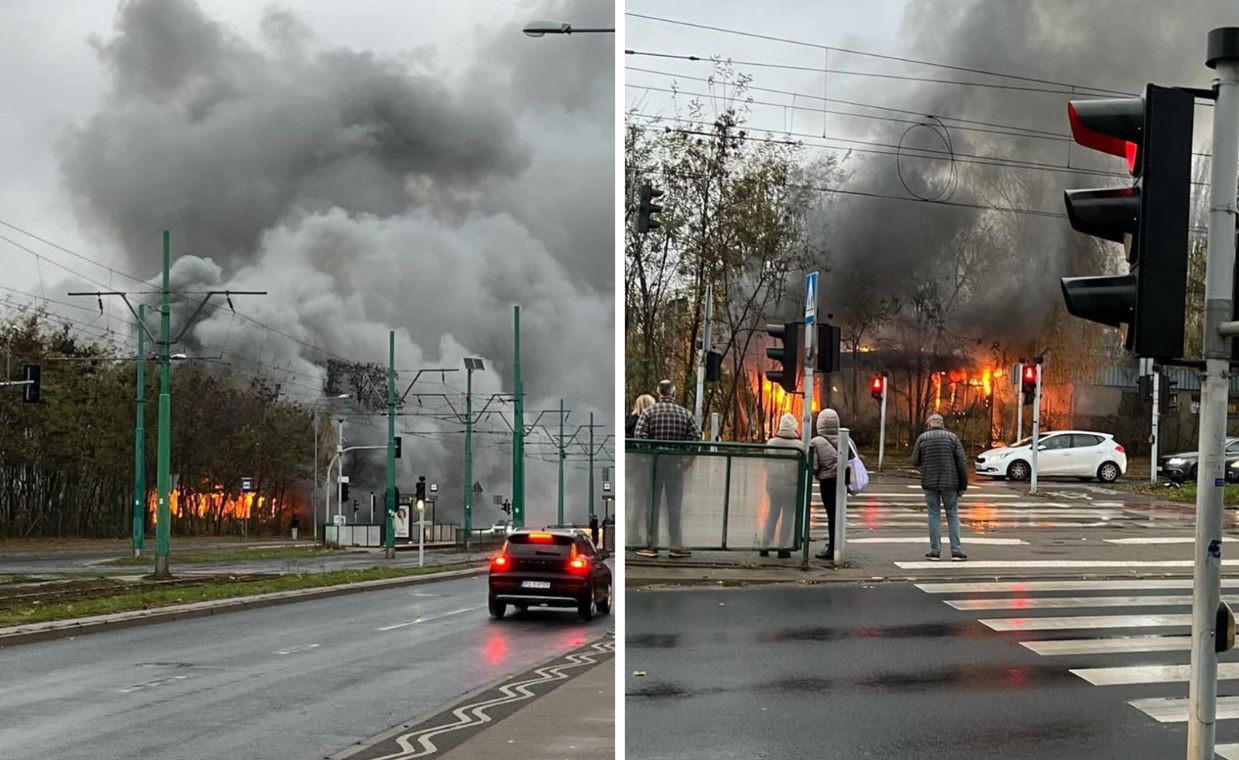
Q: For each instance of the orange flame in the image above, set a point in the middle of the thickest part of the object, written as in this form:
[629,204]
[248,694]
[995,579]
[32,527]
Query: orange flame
[218,502]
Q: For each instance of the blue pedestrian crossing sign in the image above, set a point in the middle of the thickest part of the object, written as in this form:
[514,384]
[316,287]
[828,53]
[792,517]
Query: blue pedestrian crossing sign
[247,485]
[810,298]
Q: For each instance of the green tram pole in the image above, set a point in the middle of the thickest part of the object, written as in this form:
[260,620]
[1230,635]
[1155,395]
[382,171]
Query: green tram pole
[163,514]
[468,451]
[559,522]
[139,440]
[518,433]
[390,548]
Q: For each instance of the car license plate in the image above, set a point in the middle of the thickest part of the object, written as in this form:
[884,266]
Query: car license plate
[535,584]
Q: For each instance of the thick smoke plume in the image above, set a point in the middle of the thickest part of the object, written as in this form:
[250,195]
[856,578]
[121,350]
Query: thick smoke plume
[368,196]
[1116,45]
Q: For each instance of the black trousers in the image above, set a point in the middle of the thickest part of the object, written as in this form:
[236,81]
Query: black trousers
[827,486]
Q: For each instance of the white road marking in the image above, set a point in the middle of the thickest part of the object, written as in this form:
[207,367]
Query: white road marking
[294,650]
[1119,645]
[152,684]
[1052,602]
[427,619]
[1017,587]
[1174,709]
[1152,540]
[922,540]
[1085,622]
[1227,751]
[1134,674]
[1058,563]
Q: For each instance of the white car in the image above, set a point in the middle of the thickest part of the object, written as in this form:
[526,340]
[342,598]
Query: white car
[1065,453]
[502,528]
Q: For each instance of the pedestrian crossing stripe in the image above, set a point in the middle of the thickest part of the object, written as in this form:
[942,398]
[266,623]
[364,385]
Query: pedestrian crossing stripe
[1015,587]
[1062,602]
[1140,674]
[1085,622]
[1174,709]
[983,540]
[1227,751]
[1008,564]
[1118,645]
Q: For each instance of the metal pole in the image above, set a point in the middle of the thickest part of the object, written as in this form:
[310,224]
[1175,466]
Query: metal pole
[518,433]
[841,495]
[421,534]
[560,511]
[372,507]
[1153,435]
[390,550]
[1019,408]
[591,467]
[468,452]
[1036,430]
[1219,272]
[163,476]
[701,356]
[139,440]
[314,496]
[806,417]
[714,421]
[882,424]
[340,467]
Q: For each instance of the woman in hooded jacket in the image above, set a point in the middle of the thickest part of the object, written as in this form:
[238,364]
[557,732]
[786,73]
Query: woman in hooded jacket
[781,492]
[826,455]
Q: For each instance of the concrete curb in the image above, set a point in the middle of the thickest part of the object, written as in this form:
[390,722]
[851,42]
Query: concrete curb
[60,629]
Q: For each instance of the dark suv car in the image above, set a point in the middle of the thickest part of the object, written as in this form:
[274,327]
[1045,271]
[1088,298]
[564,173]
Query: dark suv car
[550,568]
[1182,466]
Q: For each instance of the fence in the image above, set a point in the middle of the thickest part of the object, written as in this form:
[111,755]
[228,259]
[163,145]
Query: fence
[714,496]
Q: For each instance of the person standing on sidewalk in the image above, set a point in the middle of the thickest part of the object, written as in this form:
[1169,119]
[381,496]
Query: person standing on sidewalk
[826,454]
[643,402]
[667,421]
[296,524]
[939,456]
[781,492]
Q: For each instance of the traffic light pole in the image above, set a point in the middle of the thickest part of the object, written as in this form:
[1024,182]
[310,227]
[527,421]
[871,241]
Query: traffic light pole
[139,440]
[389,550]
[1223,54]
[1153,435]
[1036,430]
[163,476]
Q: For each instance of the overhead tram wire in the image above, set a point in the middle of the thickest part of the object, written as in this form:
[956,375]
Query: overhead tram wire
[1088,89]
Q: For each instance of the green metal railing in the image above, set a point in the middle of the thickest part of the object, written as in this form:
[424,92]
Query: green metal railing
[730,495]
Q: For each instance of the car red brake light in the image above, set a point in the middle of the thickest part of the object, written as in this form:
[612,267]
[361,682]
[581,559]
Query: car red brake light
[578,565]
[1119,448]
[500,562]
[541,538]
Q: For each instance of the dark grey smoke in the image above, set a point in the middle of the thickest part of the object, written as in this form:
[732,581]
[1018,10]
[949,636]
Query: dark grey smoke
[367,197]
[1112,44]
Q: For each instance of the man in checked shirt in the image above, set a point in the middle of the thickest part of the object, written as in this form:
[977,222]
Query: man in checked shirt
[667,421]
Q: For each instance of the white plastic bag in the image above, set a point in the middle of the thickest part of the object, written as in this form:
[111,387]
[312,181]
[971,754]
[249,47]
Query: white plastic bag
[860,475]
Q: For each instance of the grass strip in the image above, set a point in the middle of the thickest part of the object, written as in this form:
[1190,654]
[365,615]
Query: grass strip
[241,555]
[140,597]
[1185,493]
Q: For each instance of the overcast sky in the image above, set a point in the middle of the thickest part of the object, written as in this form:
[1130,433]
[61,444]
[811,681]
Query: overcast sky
[406,165]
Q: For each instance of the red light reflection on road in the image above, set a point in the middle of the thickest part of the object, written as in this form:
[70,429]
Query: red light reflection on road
[496,649]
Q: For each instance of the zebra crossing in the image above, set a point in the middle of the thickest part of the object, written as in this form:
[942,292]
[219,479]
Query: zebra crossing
[1104,633]
[879,515]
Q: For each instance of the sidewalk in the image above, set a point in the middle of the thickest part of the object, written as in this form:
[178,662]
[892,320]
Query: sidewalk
[574,722]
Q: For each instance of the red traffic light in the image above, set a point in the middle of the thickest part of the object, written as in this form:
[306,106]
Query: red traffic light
[877,387]
[1111,125]
[1030,373]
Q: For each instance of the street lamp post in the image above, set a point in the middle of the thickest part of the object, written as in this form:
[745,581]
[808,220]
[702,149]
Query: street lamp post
[314,497]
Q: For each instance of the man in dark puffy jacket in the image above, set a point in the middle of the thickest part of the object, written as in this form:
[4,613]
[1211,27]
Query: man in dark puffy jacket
[944,477]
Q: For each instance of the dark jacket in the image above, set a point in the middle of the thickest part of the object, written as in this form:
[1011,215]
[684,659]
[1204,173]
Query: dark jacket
[630,425]
[939,456]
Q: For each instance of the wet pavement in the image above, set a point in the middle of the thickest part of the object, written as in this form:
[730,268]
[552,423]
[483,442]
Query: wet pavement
[887,670]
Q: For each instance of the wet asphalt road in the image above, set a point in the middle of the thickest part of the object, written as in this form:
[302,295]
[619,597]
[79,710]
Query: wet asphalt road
[283,683]
[880,672]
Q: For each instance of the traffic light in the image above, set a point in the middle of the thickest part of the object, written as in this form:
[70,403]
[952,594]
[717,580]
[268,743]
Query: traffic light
[877,387]
[398,440]
[1154,134]
[507,507]
[828,338]
[787,355]
[1028,382]
[420,489]
[343,492]
[647,208]
[32,374]
[714,366]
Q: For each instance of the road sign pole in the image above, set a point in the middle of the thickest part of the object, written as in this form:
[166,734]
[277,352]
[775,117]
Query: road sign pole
[701,357]
[806,411]
[389,522]
[139,440]
[1036,430]
[1219,279]
[1153,435]
[882,424]
[841,495]
[163,460]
